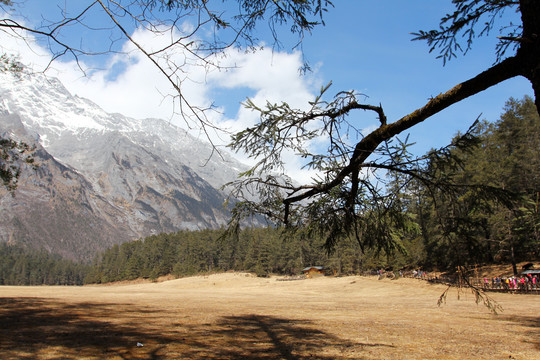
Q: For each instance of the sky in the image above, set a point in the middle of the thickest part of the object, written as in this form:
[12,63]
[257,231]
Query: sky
[364,46]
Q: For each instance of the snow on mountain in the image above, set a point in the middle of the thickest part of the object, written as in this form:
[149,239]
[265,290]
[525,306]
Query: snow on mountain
[47,108]
[132,178]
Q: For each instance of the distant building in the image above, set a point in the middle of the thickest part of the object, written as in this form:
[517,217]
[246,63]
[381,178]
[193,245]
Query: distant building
[314,271]
[531,272]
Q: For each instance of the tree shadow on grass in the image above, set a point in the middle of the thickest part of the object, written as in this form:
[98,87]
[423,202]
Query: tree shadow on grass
[533,325]
[268,337]
[37,328]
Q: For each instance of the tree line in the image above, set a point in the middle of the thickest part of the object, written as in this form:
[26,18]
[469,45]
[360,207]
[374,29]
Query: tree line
[21,266]
[262,251]
[484,210]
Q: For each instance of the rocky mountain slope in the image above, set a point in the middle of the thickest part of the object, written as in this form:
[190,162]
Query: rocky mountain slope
[102,178]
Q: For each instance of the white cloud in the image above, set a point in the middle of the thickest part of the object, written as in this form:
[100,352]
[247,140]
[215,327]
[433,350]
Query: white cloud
[269,76]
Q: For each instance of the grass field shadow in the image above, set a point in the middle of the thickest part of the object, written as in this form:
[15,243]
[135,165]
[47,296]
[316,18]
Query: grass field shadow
[45,328]
[261,337]
[532,323]
[35,328]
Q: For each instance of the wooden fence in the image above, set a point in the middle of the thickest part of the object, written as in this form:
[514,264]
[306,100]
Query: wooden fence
[502,287]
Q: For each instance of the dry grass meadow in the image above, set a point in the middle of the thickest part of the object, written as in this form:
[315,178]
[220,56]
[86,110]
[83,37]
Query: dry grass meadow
[239,316]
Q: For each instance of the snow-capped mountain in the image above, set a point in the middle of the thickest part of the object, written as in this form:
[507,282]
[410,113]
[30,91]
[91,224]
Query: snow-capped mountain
[102,178]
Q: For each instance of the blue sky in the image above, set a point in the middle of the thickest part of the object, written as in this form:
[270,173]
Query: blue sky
[365,46]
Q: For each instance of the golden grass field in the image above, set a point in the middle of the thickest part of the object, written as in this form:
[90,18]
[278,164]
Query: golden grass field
[239,316]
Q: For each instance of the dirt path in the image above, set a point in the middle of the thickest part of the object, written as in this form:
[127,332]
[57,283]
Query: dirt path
[238,316]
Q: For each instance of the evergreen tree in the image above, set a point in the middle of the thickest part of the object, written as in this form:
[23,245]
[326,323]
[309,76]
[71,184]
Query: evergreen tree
[489,213]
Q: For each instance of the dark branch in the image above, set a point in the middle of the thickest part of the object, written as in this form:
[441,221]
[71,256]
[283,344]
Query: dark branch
[507,69]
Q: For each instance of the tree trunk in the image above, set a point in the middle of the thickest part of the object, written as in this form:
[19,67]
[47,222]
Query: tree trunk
[513,260]
[530,44]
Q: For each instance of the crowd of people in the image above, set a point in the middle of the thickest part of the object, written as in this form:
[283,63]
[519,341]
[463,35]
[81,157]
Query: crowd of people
[523,282]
